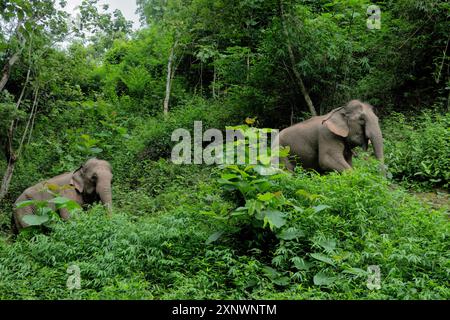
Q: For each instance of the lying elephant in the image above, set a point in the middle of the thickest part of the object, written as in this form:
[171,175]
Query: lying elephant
[88,184]
[325,143]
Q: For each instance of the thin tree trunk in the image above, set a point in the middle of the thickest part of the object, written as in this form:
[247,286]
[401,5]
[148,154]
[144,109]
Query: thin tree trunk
[448,102]
[23,89]
[292,114]
[169,79]
[442,64]
[214,83]
[7,69]
[301,84]
[29,123]
[12,158]
[10,154]
[201,78]
[248,66]
[32,126]
[7,178]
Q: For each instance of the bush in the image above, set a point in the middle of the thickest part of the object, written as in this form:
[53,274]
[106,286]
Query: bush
[331,228]
[419,150]
[367,223]
[152,138]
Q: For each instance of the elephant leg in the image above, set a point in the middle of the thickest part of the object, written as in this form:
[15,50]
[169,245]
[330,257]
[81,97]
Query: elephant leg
[64,214]
[332,155]
[348,156]
[335,162]
[288,164]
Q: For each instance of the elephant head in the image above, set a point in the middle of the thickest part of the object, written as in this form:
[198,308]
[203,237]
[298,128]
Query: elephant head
[357,123]
[94,178]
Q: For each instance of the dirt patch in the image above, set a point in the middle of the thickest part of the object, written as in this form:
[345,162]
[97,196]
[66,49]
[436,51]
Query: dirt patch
[437,199]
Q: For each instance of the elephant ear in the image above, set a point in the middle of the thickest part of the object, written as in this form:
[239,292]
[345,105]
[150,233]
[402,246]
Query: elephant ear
[337,123]
[77,180]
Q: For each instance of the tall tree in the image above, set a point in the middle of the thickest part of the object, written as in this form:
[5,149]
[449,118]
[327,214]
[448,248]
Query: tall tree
[301,84]
[175,18]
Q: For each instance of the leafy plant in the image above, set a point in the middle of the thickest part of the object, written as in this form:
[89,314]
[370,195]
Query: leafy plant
[418,150]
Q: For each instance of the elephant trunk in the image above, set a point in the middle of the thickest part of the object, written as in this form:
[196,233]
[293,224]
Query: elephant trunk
[377,141]
[103,189]
[373,132]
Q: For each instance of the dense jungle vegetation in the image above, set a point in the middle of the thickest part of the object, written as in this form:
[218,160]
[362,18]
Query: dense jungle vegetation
[97,88]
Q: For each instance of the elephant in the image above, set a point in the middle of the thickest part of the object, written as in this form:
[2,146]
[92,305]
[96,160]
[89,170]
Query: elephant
[325,143]
[86,185]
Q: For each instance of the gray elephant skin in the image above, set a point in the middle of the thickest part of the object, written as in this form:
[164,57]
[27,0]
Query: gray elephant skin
[325,143]
[90,183]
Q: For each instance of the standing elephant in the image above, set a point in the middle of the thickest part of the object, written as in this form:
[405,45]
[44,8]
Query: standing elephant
[90,183]
[325,143]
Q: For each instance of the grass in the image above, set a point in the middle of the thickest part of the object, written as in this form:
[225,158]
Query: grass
[154,246]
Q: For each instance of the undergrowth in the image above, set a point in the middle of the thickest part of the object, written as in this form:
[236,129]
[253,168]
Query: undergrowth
[154,247]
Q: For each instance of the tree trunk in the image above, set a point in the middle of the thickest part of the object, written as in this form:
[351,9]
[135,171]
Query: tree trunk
[7,69]
[201,78]
[7,178]
[30,122]
[301,84]
[248,66]
[11,155]
[214,83]
[169,79]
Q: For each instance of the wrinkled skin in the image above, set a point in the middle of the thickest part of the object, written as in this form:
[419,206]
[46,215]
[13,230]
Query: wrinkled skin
[325,143]
[88,184]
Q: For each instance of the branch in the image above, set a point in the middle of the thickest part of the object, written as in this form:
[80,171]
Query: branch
[443,60]
[30,119]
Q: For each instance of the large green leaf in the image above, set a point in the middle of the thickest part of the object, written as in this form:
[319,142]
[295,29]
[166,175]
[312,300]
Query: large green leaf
[323,258]
[266,197]
[328,244]
[229,176]
[356,271]
[253,206]
[45,211]
[323,279]
[270,272]
[276,276]
[214,237]
[274,218]
[291,234]
[281,281]
[36,203]
[34,220]
[62,202]
[96,150]
[320,208]
[24,204]
[301,264]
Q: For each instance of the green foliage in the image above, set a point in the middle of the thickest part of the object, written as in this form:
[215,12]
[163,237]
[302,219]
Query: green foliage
[8,111]
[152,138]
[180,232]
[332,244]
[262,208]
[418,150]
[254,183]
[348,222]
